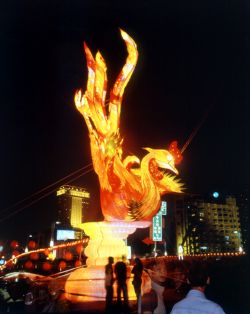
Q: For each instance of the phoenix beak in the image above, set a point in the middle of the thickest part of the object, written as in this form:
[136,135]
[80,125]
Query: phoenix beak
[168,166]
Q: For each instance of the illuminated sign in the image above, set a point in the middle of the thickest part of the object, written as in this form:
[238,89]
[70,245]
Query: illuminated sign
[79,193]
[163,209]
[65,235]
[60,192]
[157,227]
[73,193]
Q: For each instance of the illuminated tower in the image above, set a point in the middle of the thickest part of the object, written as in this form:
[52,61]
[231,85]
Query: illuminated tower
[73,202]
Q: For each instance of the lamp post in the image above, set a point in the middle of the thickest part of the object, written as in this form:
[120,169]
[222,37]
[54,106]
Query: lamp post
[27,243]
[52,236]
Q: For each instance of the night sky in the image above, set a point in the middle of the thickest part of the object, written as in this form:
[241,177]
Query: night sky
[193,63]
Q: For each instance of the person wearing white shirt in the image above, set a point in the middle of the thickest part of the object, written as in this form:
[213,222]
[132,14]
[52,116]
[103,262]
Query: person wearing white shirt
[195,301]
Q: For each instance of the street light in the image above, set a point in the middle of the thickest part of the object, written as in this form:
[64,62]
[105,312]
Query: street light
[51,243]
[52,237]
[26,249]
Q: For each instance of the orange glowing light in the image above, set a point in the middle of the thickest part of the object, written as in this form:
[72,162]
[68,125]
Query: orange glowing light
[47,266]
[79,248]
[78,263]
[68,256]
[14,244]
[32,245]
[62,265]
[128,193]
[28,265]
[34,256]
[46,252]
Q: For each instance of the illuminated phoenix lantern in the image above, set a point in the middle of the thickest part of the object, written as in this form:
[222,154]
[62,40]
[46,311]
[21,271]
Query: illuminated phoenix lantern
[130,188]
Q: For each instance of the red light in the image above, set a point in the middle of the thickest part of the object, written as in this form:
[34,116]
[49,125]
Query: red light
[47,266]
[28,265]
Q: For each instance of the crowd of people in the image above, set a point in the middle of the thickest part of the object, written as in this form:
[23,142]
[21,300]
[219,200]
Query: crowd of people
[150,300]
[152,282]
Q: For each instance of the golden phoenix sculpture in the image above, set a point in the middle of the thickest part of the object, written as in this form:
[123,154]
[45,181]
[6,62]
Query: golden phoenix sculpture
[130,189]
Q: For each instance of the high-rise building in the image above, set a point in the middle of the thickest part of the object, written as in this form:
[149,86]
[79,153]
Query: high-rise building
[72,203]
[206,225]
[242,201]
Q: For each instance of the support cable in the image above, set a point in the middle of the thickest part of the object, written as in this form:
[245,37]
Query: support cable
[46,194]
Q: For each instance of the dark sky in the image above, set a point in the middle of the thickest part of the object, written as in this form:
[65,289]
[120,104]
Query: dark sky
[193,55]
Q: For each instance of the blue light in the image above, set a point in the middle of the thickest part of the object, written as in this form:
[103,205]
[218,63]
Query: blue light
[215,194]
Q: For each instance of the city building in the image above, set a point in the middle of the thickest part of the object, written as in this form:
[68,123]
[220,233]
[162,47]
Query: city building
[189,224]
[205,225]
[72,203]
[242,202]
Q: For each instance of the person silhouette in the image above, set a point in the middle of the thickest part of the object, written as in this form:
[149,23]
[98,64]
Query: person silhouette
[137,281]
[121,277]
[109,280]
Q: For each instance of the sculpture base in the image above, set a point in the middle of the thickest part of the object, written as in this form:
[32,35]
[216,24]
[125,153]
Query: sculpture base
[88,284]
[106,239]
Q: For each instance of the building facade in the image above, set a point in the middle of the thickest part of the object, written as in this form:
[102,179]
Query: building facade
[72,203]
[206,225]
[242,202]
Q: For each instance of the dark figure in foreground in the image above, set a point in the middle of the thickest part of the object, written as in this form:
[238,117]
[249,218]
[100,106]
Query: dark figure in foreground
[121,277]
[137,281]
[195,301]
[57,303]
[109,280]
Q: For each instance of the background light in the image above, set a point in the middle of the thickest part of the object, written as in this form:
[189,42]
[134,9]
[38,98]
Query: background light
[215,194]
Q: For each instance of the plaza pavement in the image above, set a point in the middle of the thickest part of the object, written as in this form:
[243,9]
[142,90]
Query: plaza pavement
[98,307]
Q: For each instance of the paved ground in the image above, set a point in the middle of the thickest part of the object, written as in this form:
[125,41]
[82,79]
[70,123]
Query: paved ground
[99,307]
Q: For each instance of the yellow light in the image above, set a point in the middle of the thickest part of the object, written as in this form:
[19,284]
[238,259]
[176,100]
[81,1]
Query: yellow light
[73,192]
[51,256]
[79,193]
[60,192]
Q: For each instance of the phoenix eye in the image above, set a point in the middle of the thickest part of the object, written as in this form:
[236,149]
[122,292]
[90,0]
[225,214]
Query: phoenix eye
[169,158]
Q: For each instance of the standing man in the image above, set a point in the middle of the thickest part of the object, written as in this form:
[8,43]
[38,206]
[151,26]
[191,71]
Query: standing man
[196,301]
[121,277]
[109,280]
[137,281]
